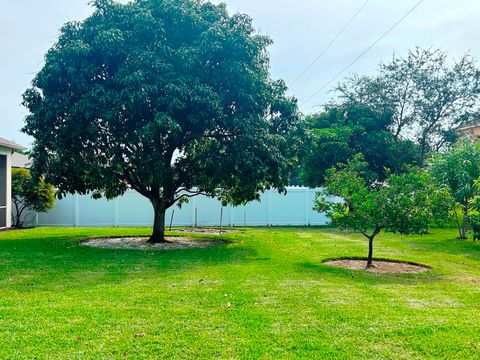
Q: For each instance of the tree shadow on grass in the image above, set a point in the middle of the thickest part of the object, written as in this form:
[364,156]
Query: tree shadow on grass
[64,254]
[451,246]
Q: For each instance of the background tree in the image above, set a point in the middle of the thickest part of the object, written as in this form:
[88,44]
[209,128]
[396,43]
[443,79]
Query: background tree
[474,213]
[170,98]
[458,170]
[404,203]
[428,96]
[340,132]
[29,194]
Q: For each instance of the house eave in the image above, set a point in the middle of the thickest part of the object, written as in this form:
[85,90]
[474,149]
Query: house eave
[10,145]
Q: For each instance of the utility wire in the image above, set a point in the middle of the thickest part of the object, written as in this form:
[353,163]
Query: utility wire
[328,45]
[364,52]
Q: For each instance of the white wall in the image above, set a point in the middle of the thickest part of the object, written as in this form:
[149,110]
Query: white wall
[132,209]
[8,211]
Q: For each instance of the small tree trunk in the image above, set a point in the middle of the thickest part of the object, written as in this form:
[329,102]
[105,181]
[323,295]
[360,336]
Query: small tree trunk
[17,223]
[459,227]
[158,234]
[465,223]
[370,245]
[370,251]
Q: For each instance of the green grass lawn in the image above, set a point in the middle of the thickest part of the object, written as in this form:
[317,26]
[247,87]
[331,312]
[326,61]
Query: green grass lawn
[265,295]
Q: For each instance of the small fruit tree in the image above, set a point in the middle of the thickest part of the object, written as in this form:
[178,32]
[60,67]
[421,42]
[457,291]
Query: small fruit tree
[458,170]
[29,193]
[404,203]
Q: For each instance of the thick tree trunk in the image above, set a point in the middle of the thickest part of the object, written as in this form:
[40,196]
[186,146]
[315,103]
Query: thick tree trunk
[370,252]
[158,234]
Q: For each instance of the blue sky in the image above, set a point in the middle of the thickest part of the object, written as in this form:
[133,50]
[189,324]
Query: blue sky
[300,30]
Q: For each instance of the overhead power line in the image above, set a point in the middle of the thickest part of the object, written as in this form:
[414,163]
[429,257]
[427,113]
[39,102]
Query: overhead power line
[299,77]
[364,52]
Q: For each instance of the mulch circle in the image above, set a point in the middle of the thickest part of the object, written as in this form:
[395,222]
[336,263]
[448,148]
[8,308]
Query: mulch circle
[140,243]
[206,230]
[381,266]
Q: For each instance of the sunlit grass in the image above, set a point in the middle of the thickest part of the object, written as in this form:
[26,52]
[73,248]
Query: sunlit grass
[264,295]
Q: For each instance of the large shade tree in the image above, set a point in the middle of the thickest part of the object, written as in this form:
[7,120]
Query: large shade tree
[428,95]
[170,98]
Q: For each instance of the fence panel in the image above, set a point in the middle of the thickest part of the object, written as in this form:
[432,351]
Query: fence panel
[63,213]
[94,212]
[132,209]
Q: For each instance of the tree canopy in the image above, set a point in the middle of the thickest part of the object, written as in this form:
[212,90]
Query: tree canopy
[342,131]
[428,95]
[458,170]
[170,98]
[29,193]
[474,212]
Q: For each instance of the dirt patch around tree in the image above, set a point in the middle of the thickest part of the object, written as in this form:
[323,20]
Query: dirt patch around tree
[140,243]
[381,266]
[214,231]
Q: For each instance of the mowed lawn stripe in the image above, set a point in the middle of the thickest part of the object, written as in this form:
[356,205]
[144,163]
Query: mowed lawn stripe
[266,294]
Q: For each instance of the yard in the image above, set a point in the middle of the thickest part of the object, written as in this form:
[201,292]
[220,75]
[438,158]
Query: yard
[264,295]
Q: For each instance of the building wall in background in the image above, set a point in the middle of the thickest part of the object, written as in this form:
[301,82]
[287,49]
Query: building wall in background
[5,187]
[470,130]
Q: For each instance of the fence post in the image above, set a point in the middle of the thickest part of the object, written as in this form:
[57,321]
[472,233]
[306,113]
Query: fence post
[75,210]
[307,206]
[115,212]
[221,217]
[194,212]
[269,208]
[232,209]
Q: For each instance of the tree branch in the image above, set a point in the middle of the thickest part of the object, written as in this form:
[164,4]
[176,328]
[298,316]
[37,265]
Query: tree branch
[192,194]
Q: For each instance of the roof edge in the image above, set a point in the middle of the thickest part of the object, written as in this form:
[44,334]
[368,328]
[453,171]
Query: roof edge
[11,145]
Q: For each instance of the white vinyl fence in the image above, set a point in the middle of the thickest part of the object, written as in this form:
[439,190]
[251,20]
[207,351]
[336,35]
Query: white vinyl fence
[132,209]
